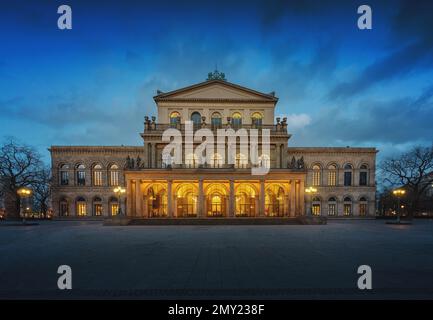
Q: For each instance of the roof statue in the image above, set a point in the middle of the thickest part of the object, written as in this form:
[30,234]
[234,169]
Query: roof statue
[216,75]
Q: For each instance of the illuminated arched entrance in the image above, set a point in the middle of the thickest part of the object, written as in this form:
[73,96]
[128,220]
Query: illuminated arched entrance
[216,200]
[245,200]
[274,201]
[157,200]
[186,200]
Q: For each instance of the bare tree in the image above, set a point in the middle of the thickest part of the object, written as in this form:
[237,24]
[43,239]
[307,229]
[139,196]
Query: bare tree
[413,171]
[42,190]
[20,166]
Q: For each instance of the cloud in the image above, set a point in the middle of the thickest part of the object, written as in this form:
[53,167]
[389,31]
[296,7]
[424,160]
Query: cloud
[411,47]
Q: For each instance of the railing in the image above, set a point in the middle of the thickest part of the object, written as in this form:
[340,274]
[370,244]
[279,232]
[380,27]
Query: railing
[160,127]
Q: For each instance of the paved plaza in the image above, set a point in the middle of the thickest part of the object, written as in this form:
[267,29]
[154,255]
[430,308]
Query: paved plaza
[217,262]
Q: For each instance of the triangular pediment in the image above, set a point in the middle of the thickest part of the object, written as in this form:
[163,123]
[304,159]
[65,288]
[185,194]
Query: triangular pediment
[215,90]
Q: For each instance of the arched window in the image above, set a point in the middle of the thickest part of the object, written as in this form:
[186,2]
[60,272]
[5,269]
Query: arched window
[274,201]
[167,160]
[174,119]
[81,175]
[245,200]
[157,200]
[347,206]
[196,120]
[363,206]
[216,120]
[316,175]
[348,175]
[216,200]
[97,175]
[191,160]
[332,175]
[332,206]
[114,206]
[64,175]
[217,160]
[256,120]
[64,207]
[81,207]
[97,206]
[316,206]
[114,175]
[186,200]
[236,120]
[241,161]
[363,175]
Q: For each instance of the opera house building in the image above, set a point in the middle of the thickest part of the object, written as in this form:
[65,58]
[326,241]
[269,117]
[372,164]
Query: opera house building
[317,181]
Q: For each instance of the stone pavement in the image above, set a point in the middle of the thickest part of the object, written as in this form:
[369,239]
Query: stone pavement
[260,262]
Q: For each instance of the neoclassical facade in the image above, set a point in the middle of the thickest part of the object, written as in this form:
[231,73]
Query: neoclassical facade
[156,186]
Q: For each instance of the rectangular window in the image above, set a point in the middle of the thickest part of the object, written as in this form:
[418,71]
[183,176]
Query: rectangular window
[332,178]
[81,209]
[332,209]
[347,209]
[316,178]
[81,178]
[97,178]
[363,209]
[316,209]
[114,209]
[348,178]
[363,178]
[114,178]
[64,178]
[97,209]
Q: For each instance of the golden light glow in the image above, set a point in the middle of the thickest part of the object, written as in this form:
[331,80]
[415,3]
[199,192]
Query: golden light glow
[119,190]
[24,192]
[399,192]
[310,190]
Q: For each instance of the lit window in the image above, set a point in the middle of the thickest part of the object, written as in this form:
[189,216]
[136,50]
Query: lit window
[332,175]
[191,160]
[257,119]
[332,207]
[217,160]
[316,175]
[315,207]
[174,119]
[114,206]
[97,175]
[241,161]
[236,120]
[347,206]
[363,207]
[114,175]
[81,207]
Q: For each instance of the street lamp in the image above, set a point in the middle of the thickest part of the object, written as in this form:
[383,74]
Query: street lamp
[398,193]
[310,191]
[23,193]
[119,191]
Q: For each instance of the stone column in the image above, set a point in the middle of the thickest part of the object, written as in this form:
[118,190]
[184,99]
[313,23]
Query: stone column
[292,198]
[145,207]
[262,198]
[169,199]
[129,197]
[153,155]
[302,196]
[138,198]
[200,199]
[231,212]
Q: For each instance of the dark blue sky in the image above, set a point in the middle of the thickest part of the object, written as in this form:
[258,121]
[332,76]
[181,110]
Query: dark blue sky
[338,85]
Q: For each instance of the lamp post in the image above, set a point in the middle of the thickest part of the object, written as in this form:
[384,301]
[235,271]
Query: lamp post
[310,191]
[119,191]
[398,193]
[23,193]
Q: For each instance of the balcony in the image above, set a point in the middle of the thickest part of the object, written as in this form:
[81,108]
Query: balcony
[151,127]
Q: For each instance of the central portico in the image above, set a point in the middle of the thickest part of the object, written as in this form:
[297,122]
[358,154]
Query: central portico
[157,187]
